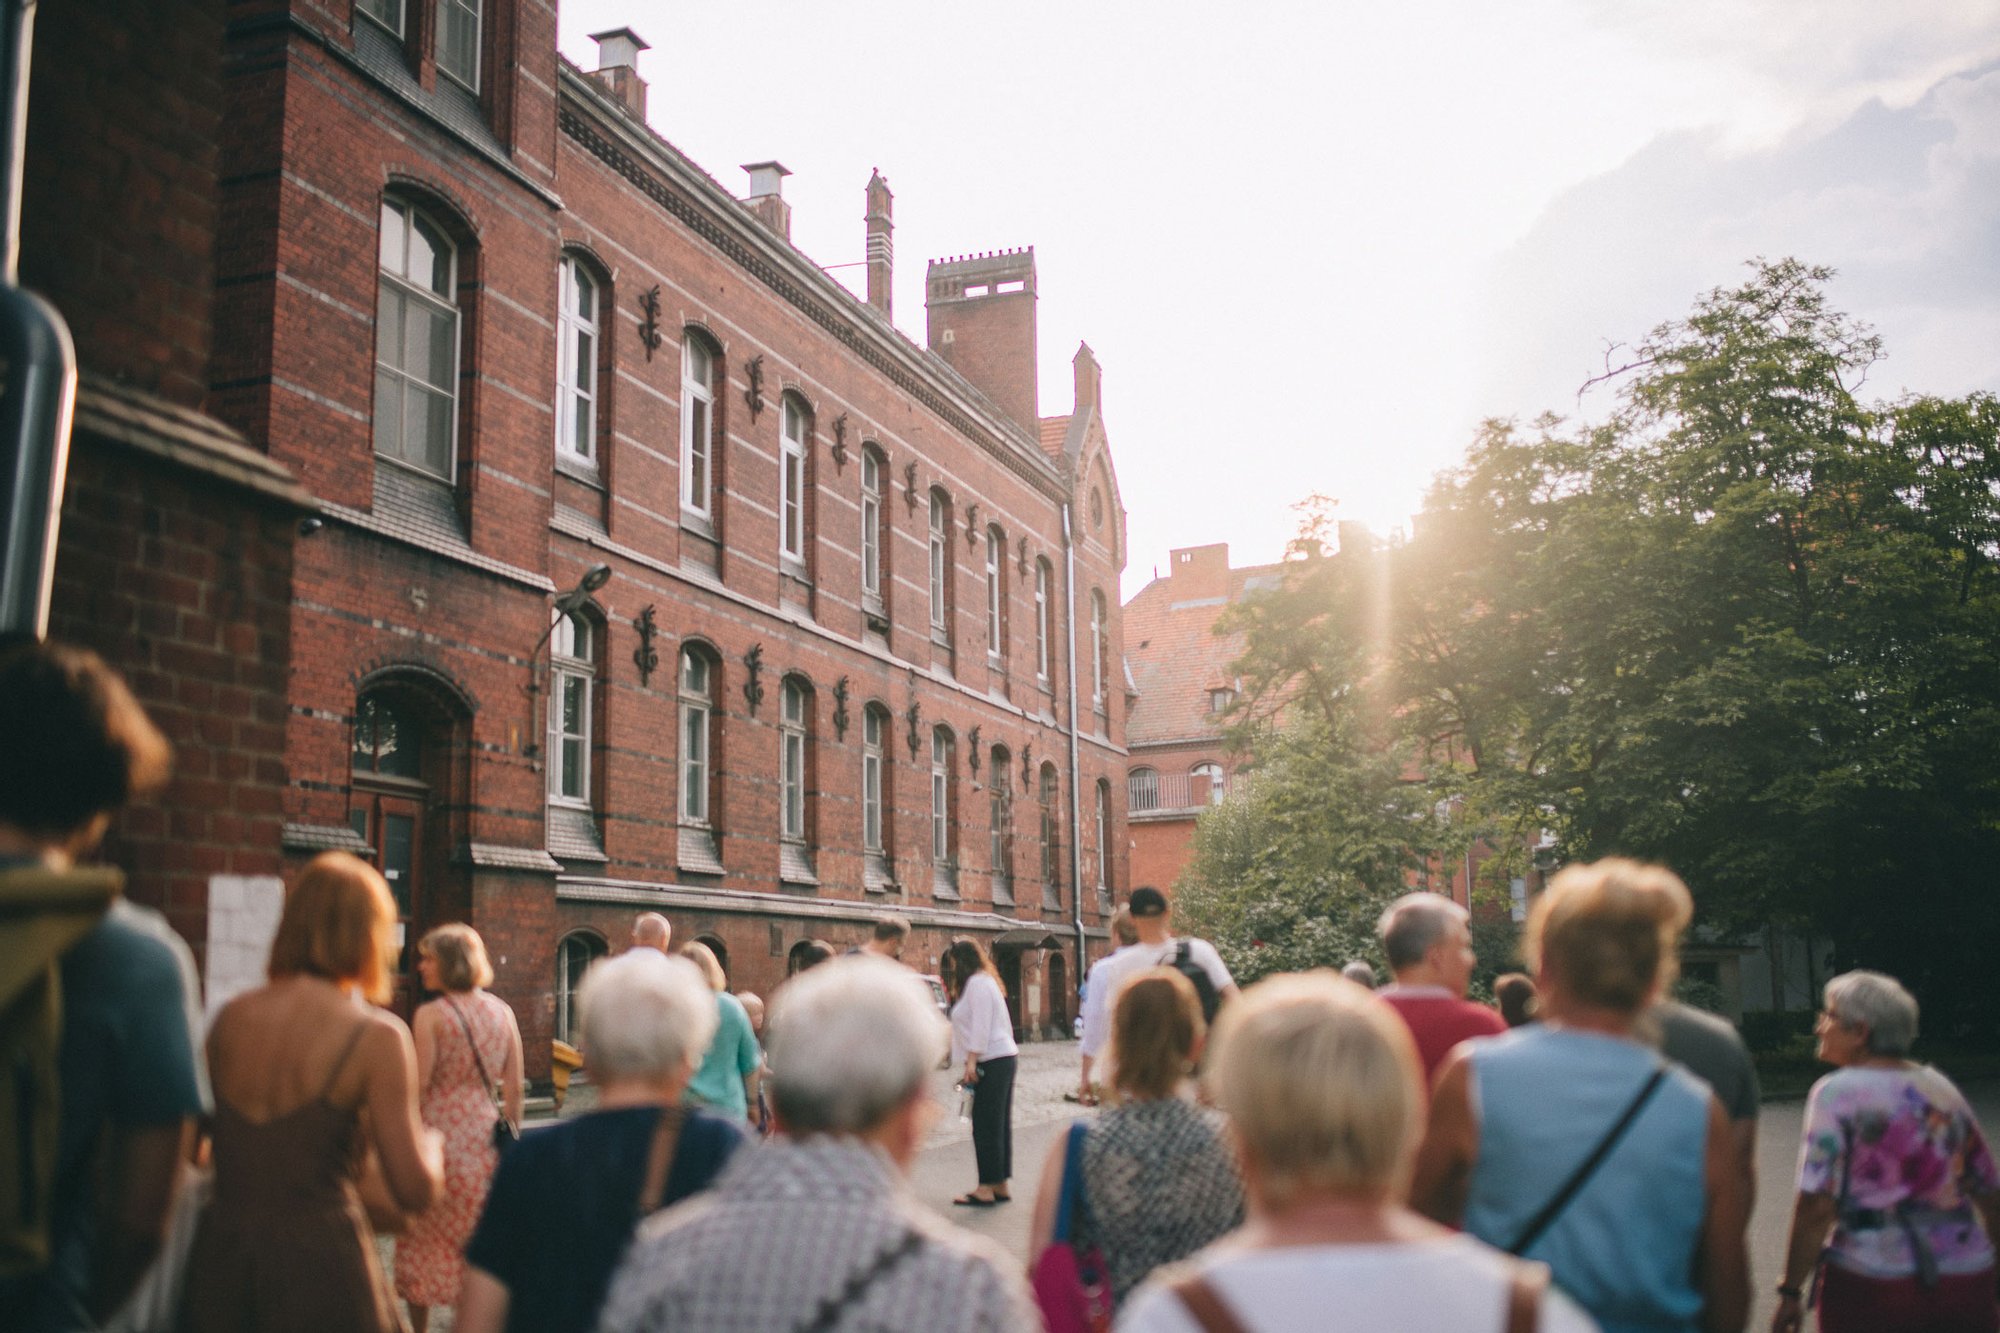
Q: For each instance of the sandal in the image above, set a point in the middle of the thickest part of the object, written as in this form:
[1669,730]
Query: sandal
[973,1201]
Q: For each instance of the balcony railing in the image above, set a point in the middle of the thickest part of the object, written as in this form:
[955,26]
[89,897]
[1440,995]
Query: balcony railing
[1148,791]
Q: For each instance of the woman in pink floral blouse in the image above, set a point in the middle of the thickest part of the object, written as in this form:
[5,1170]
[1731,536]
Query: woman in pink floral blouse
[1898,1193]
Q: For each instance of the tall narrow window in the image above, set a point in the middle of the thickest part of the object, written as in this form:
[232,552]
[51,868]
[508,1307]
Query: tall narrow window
[996,595]
[697,700]
[1100,664]
[570,657]
[576,362]
[792,762]
[944,811]
[574,956]
[1103,836]
[697,424]
[458,41]
[388,13]
[1048,793]
[1044,612]
[1206,785]
[873,724]
[871,526]
[1001,825]
[416,342]
[792,481]
[940,568]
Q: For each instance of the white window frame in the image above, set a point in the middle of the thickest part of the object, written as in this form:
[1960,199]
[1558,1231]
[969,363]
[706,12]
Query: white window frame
[697,427]
[572,674]
[1000,831]
[1103,834]
[397,291]
[941,748]
[569,981]
[1098,631]
[576,361]
[696,718]
[792,433]
[940,567]
[871,525]
[471,12]
[1043,577]
[367,8]
[996,596]
[792,762]
[873,728]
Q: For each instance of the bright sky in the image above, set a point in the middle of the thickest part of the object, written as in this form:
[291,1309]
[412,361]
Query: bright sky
[1313,245]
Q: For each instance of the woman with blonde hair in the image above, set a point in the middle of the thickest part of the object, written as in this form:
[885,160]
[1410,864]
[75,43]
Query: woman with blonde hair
[1573,1142]
[468,1044]
[727,1081]
[1320,1083]
[308,1076]
[1158,1177]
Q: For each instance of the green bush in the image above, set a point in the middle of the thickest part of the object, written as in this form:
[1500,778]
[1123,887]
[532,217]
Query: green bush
[1768,1031]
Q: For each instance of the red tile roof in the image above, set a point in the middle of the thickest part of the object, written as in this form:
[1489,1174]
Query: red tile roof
[1054,431]
[1176,658]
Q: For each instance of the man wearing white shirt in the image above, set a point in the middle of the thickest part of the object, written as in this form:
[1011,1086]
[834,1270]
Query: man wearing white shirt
[1152,917]
[1096,1012]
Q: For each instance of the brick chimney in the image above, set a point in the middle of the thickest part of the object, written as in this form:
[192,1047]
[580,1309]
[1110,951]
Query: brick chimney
[767,196]
[618,67]
[1200,573]
[881,248]
[980,317]
[1089,380]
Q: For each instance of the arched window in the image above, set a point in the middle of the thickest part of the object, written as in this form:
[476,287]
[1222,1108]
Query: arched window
[795,771]
[873,528]
[876,776]
[572,661]
[1047,793]
[1100,665]
[793,515]
[573,958]
[1045,625]
[1142,790]
[697,423]
[458,41]
[941,568]
[576,361]
[1103,836]
[1000,824]
[416,342]
[996,595]
[697,687]
[944,810]
[387,741]
[1206,785]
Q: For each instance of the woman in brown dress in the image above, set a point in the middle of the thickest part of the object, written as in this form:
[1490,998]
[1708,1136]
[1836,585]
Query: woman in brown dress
[467,1040]
[306,1073]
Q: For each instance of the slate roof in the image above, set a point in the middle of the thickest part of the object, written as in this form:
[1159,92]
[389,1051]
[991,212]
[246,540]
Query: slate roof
[1175,658]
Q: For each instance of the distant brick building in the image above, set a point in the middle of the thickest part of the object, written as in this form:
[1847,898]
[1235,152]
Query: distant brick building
[507,334]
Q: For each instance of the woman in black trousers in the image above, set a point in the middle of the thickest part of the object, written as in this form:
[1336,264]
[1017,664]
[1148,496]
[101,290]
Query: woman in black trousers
[983,1049]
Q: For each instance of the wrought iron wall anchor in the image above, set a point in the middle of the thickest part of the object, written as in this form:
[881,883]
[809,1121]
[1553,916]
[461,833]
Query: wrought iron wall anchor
[915,716]
[1022,562]
[753,688]
[972,526]
[972,755]
[840,442]
[645,656]
[910,486]
[753,396]
[649,327]
[1027,766]
[840,708]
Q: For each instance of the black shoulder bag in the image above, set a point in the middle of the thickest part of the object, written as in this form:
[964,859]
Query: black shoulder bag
[505,1132]
[1551,1210]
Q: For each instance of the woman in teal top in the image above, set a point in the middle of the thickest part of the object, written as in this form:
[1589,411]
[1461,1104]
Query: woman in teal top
[727,1080]
[1652,1237]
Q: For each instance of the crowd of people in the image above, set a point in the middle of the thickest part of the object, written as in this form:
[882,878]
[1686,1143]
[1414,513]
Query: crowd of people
[1264,1159]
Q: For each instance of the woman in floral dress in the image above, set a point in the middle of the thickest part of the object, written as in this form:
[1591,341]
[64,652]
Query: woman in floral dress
[1898,1193]
[466,1039]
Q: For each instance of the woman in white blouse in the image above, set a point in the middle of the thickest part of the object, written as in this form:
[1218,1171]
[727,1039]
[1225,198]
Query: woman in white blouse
[983,1049]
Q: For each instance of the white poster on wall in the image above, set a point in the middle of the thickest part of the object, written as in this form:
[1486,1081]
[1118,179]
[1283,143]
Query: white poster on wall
[243,913]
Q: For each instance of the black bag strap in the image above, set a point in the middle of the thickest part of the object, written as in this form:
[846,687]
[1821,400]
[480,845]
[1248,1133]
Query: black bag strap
[1581,1176]
[473,1042]
[830,1309]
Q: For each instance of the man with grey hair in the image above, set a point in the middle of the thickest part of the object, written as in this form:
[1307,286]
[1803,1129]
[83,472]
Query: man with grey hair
[817,1229]
[1429,945]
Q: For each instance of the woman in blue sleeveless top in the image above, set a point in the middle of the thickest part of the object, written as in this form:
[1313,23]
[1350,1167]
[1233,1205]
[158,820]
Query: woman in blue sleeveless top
[1573,1143]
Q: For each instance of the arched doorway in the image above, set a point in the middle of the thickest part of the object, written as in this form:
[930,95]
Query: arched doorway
[1059,993]
[578,950]
[719,949]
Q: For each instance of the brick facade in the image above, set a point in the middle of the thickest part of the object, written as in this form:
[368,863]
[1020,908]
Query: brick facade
[420,605]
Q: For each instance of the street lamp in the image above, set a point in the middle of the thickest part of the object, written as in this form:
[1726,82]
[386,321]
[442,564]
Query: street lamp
[566,604]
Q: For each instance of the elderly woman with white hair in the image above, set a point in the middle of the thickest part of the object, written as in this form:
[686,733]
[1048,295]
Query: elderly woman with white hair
[566,1198]
[817,1229]
[1320,1081]
[1898,1194]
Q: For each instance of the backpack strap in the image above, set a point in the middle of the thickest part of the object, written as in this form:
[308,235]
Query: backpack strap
[1206,1307]
[1524,1297]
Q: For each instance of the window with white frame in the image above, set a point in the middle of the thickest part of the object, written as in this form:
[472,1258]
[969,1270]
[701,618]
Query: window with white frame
[458,41]
[874,733]
[1051,829]
[388,13]
[416,341]
[996,595]
[1206,785]
[697,424]
[697,706]
[940,568]
[576,362]
[571,657]
[1099,648]
[1142,790]
[1044,613]
[944,836]
[793,760]
[871,525]
[1103,835]
[1000,824]
[573,958]
[796,427]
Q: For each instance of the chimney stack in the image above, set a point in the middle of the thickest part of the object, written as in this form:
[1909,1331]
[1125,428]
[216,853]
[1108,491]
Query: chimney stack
[618,67]
[979,313]
[767,196]
[1089,380]
[881,249]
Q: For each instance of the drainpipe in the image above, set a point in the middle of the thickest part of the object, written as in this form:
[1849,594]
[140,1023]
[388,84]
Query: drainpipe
[1075,767]
[38,396]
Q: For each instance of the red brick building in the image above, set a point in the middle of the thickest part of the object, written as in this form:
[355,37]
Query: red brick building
[658,571]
